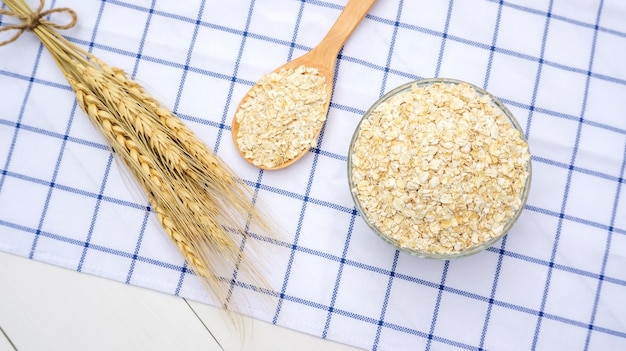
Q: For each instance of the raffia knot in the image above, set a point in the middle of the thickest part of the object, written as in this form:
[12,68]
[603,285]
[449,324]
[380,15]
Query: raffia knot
[33,19]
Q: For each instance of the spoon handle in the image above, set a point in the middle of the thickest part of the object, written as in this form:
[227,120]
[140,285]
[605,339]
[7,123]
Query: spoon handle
[350,17]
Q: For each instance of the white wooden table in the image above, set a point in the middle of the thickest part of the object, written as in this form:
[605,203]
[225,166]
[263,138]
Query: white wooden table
[44,307]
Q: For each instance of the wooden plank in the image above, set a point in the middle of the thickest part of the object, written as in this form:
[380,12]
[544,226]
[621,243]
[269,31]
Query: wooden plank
[259,335]
[5,343]
[43,307]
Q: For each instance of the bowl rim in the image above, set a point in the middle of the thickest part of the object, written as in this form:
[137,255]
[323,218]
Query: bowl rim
[425,254]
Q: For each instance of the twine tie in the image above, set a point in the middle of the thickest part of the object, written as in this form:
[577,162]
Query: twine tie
[35,19]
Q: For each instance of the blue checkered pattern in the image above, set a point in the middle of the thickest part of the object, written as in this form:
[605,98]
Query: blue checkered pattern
[557,281]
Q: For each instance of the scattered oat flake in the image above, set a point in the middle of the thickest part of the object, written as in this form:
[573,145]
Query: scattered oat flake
[463,180]
[281,116]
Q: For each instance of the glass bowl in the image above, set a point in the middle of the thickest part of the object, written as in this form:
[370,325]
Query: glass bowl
[427,254]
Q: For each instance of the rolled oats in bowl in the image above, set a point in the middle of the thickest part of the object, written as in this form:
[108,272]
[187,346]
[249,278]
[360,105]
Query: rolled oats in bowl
[439,168]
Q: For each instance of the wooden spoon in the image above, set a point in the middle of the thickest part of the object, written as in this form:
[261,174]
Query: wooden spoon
[323,57]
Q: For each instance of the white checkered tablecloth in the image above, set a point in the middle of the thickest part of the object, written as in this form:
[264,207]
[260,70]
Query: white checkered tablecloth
[556,282]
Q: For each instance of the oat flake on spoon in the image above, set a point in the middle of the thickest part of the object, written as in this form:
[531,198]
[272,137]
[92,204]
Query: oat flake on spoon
[281,116]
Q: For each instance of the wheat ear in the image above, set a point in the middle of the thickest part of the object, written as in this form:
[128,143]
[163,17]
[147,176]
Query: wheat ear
[204,208]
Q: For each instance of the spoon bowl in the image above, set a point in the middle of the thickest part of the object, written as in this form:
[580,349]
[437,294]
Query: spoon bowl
[323,57]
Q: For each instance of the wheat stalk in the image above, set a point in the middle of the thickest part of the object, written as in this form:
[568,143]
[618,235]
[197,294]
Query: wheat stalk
[202,205]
